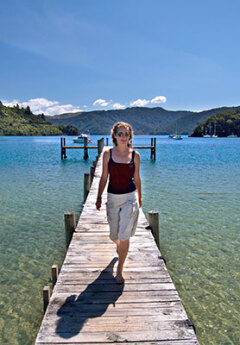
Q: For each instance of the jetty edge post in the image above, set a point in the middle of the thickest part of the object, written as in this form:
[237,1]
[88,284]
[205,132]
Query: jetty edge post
[63,149]
[106,141]
[46,297]
[92,170]
[54,274]
[85,157]
[70,225]
[155,140]
[100,145]
[151,148]
[153,219]
[86,186]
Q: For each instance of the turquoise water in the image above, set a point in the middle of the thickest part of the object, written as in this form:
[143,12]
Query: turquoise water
[195,186]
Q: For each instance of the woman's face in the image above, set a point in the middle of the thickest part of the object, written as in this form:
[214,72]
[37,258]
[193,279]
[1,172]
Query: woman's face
[122,136]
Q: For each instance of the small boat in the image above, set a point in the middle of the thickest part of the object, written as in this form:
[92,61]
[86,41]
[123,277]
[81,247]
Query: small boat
[210,135]
[177,137]
[81,137]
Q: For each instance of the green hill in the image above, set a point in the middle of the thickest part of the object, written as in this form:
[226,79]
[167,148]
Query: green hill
[226,123]
[144,120]
[21,121]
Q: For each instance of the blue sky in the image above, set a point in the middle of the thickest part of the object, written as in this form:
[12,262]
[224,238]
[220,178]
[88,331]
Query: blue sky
[59,56]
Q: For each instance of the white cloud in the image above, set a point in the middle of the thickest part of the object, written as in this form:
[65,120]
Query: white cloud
[101,102]
[139,103]
[60,109]
[118,106]
[43,105]
[159,99]
[11,103]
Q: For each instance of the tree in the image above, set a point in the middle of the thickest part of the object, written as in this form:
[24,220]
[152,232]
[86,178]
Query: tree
[28,111]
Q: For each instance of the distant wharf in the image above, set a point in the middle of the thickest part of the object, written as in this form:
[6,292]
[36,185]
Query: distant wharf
[100,144]
[88,307]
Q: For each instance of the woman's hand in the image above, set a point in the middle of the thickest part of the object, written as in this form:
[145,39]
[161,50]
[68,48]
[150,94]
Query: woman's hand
[98,203]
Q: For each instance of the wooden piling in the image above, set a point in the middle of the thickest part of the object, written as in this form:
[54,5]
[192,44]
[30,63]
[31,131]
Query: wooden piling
[86,186]
[70,225]
[153,218]
[92,170]
[106,141]
[100,145]
[151,148]
[54,274]
[154,156]
[64,150]
[85,157]
[46,297]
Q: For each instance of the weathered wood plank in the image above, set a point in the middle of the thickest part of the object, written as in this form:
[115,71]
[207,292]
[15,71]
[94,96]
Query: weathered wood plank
[167,342]
[116,337]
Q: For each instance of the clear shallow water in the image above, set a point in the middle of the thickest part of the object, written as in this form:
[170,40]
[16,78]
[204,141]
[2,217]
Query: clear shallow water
[194,185]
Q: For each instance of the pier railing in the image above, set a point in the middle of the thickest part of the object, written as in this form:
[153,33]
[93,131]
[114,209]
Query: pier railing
[100,144]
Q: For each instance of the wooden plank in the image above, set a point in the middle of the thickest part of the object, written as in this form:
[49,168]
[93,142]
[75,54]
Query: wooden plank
[167,342]
[116,337]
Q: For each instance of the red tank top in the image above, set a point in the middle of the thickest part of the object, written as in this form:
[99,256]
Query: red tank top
[121,176]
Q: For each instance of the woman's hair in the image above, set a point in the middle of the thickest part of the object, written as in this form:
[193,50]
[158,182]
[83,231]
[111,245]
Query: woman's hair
[115,128]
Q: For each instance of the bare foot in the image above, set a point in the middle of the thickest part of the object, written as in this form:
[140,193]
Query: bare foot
[119,278]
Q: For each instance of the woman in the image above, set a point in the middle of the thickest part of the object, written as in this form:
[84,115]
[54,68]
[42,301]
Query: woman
[124,195]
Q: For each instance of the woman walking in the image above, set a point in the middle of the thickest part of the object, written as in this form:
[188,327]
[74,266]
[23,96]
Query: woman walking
[124,195]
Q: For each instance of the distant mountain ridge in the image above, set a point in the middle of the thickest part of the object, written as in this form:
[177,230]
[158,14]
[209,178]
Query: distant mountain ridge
[144,120]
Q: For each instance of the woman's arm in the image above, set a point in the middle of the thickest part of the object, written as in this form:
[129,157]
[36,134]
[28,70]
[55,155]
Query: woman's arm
[103,179]
[137,178]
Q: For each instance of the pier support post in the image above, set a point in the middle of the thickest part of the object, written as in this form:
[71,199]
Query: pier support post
[106,141]
[100,145]
[54,274]
[85,157]
[70,225]
[153,219]
[92,170]
[61,148]
[154,155]
[46,297]
[86,186]
[151,148]
[64,150]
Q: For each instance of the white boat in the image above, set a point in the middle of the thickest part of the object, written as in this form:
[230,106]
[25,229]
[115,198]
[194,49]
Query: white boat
[210,135]
[176,136]
[81,137]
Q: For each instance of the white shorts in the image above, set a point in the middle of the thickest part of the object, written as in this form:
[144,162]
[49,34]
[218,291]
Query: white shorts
[122,214]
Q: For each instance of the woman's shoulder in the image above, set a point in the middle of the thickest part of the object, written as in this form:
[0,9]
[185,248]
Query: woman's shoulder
[106,153]
[136,154]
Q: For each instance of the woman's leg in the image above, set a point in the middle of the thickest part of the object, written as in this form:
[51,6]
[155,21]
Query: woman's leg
[122,252]
[117,246]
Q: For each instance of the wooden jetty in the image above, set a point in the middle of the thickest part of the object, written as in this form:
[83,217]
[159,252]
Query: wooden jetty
[100,145]
[88,307]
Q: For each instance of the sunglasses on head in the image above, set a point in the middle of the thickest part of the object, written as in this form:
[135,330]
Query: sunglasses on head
[122,134]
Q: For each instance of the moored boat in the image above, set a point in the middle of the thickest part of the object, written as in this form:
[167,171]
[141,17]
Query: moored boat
[81,137]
